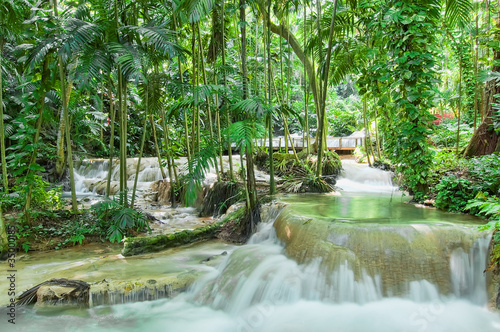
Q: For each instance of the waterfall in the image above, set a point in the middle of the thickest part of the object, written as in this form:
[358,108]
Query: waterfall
[418,265]
[361,178]
[361,261]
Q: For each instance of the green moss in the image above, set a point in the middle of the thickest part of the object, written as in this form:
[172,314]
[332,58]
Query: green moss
[140,245]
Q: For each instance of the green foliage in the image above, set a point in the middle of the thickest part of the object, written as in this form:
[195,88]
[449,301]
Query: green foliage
[344,116]
[486,205]
[485,171]
[26,246]
[446,160]
[453,193]
[119,220]
[402,75]
[445,134]
[62,227]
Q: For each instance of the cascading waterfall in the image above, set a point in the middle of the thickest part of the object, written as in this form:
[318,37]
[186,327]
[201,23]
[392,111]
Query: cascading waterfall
[355,262]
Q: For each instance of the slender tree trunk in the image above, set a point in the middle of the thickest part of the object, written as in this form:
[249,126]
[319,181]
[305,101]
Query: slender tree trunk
[5,181]
[39,120]
[112,114]
[209,110]
[243,31]
[322,95]
[4,243]
[65,102]
[459,102]
[251,186]
[122,97]
[228,119]
[377,137]
[170,162]
[368,143]
[138,167]
[195,142]
[157,149]
[186,128]
[272,182]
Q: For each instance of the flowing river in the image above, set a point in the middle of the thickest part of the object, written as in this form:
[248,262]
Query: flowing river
[360,260]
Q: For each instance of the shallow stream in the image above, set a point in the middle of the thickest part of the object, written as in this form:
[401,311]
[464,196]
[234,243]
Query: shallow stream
[361,260]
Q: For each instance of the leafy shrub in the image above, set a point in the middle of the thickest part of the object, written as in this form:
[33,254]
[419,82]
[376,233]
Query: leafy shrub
[488,206]
[445,134]
[453,193]
[119,220]
[486,171]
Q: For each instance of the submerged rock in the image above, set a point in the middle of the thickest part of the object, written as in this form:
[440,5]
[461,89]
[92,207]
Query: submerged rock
[116,292]
[77,293]
[57,292]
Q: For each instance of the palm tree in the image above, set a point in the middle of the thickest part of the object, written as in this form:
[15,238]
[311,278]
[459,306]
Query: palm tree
[12,14]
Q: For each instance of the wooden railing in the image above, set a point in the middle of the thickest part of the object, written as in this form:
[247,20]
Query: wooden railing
[333,143]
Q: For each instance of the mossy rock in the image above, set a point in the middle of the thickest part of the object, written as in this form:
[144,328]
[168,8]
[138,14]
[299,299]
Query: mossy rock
[220,197]
[141,245]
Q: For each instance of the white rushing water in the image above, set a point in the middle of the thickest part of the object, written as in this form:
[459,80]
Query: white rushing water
[362,178]
[258,287]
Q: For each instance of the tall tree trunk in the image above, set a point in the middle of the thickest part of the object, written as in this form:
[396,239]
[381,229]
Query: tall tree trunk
[485,140]
[321,113]
[251,186]
[65,102]
[5,181]
[185,122]
[45,75]
[228,119]
[122,102]
[112,137]
[459,102]
[4,243]
[272,182]
[138,167]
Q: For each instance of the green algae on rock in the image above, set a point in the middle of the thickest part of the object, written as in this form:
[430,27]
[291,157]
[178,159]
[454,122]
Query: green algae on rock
[140,245]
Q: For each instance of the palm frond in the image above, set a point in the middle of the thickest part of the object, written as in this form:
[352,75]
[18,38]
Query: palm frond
[163,40]
[242,133]
[80,35]
[254,107]
[129,59]
[94,64]
[195,9]
[40,51]
[198,166]
[457,13]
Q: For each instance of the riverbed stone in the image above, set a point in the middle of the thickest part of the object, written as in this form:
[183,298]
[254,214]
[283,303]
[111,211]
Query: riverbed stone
[144,289]
[141,245]
[50,295]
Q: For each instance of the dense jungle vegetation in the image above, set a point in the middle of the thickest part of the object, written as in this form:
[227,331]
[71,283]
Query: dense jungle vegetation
[205,78]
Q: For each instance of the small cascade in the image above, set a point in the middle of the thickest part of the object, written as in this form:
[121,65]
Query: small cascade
[91,175]
[362,178]
[348,263]
[361,261]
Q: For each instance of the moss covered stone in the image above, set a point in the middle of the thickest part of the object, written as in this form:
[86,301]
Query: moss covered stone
[140,245]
